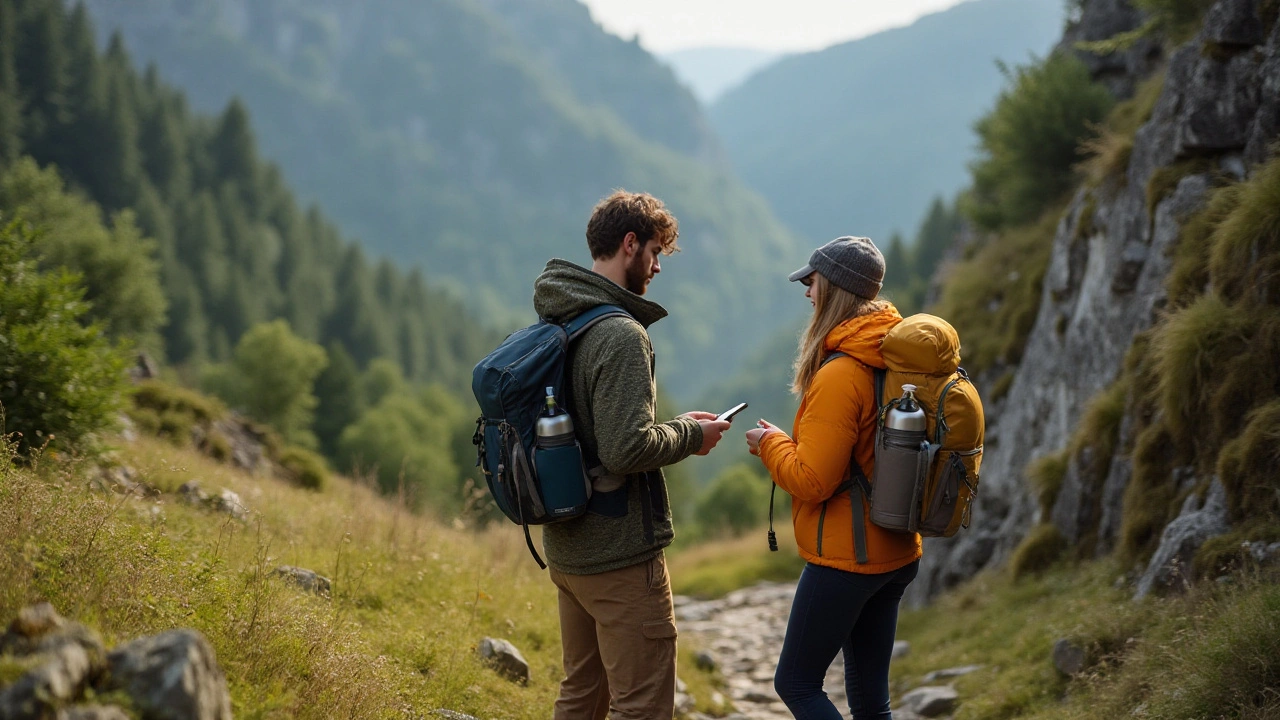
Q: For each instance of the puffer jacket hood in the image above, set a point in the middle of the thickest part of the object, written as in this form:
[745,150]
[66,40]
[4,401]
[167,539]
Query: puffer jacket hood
[860,338]
[565,290]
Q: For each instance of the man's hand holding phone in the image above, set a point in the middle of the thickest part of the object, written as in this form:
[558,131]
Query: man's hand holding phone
[712,429]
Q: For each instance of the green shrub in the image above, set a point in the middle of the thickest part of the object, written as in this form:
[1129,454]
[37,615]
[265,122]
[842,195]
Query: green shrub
[1038,551]
[736,501]
[993,297]
[58,378]
[1046,475]
[1191,349]
[304,467]
[271,378]
[115,263]
[1247,464]
[1150,498]
[1245,260]
[1189,277]
[1030,141]
[407,448]
[172,411]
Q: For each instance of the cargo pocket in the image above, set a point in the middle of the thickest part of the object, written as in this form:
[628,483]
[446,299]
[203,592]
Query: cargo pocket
[659,629]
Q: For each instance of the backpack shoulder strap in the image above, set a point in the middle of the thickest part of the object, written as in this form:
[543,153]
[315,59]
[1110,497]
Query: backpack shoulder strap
[587,319]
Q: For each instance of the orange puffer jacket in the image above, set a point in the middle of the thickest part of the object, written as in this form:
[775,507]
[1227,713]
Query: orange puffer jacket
[838,415]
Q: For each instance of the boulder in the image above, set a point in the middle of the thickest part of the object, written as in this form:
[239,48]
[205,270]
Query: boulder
[704,660]
[56,681]
[230,503]
[306,579]
[1068,657]
[901,648]
[931,701]
[1181,538]
[505,658]
[171,676]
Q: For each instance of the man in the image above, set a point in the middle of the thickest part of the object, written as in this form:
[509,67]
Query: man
[617,624]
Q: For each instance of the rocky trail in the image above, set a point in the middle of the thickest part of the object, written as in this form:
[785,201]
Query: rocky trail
[741,634]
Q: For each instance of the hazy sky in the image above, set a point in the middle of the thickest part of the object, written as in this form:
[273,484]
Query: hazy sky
[784,25]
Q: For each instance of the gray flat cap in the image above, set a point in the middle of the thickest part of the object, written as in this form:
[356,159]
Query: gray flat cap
[850,263]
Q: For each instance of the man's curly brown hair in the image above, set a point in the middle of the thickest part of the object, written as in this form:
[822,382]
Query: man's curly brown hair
[624,212]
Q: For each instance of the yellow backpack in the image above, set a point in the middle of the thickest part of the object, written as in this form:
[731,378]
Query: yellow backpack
[932,490]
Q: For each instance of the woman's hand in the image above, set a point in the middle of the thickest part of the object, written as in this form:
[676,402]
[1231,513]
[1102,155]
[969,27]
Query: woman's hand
[756,434]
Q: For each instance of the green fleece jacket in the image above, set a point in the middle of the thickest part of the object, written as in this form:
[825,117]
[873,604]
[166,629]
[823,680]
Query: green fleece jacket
[612,403]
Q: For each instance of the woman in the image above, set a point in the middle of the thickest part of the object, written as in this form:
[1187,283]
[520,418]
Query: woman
[846,600]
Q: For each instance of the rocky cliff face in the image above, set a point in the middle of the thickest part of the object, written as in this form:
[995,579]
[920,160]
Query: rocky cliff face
[1106,279]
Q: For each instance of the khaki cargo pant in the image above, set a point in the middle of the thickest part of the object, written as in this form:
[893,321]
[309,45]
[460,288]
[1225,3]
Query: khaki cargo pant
[619,635]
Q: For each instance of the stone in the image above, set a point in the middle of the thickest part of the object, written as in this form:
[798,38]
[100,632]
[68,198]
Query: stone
[230,503]
[191,493]
[171,676]
[1196,523]
[306,579]
[901,648]
[949,673]
[36,620]
[684,703]
[505,658]
[1263,553]
[704,660]
[760,696]
[56,681]
[93,712]
[931,701]
[1068,657]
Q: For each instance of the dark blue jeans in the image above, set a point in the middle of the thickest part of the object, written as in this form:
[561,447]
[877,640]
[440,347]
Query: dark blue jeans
[836,611]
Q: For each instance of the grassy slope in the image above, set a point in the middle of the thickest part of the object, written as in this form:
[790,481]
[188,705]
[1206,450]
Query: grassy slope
[1212,653]
[412,598]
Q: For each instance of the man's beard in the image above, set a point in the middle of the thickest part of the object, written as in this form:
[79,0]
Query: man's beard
[637,275]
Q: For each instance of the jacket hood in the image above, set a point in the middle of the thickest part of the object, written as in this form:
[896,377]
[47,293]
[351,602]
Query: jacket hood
[860,337]
[565,290]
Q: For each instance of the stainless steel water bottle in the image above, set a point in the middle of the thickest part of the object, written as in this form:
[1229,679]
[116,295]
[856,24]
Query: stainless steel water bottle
[906,415]
[554,423]
[902,462]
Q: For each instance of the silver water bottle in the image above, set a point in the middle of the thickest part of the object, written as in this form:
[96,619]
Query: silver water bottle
[555,427]
[906,416]
[902,461]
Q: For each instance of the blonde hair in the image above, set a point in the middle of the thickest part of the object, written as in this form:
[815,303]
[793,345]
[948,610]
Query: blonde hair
[831,307]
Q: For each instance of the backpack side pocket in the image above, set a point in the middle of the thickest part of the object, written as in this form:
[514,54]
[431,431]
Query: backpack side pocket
[946,502]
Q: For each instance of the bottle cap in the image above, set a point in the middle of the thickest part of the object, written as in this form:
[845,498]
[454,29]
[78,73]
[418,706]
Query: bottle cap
[908,388]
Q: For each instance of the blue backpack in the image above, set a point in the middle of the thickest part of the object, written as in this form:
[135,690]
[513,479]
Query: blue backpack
[531,485]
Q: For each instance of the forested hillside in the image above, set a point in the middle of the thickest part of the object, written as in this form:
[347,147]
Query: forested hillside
[860,137]
[474,137]
[234,245]
[185,243]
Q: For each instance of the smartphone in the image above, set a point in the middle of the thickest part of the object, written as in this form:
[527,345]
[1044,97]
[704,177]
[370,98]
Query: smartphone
[728,414]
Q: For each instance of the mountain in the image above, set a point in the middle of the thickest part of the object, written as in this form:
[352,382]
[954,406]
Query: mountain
[711,72]
[860,137]
[473,137]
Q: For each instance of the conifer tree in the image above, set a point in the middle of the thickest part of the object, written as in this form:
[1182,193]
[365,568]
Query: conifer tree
[897,270]
[10,100]
[41,64]
[234,156]
[340,400]
[936,235]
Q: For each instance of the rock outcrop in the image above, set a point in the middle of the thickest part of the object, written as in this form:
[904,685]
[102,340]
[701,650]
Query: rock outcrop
[1106,280]
[170,676]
